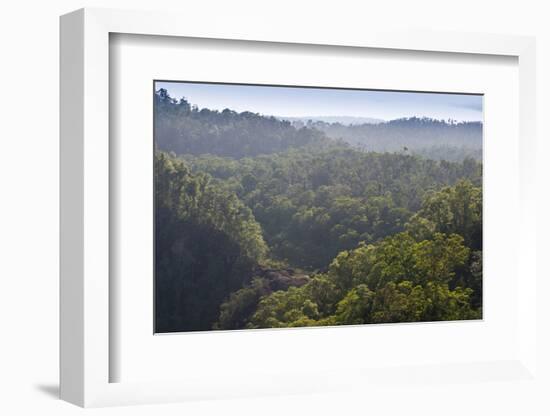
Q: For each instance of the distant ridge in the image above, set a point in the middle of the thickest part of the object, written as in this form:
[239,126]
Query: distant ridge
[183,128]
[434,139]
[345,120]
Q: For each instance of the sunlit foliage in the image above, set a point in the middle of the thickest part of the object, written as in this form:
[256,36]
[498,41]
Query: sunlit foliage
[259,224]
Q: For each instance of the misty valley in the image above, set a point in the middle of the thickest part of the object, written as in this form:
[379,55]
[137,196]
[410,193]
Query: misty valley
[267,222]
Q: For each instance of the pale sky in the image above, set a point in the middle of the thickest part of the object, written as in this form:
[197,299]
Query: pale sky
[315,102]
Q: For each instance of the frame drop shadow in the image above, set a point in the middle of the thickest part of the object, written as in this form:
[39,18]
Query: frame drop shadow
[51,390]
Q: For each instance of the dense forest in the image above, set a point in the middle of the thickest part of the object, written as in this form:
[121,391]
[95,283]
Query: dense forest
[184,129]
[433,139]
[261,223]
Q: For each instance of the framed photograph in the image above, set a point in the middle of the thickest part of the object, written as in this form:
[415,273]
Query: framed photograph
[268,212]
[287,206]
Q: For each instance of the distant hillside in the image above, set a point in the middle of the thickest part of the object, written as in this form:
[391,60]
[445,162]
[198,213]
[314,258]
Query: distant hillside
[436,139]
[185,129]
[345,120]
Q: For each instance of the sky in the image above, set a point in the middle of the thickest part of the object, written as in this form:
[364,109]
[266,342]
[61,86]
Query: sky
[318,102]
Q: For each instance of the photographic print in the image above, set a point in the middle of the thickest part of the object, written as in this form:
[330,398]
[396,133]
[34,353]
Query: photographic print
[288,206]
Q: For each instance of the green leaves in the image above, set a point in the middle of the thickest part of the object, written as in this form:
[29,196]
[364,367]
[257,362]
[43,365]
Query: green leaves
[195,197]
[399,258]
[355,307]
[297,306]
[207,244]
[184,129]
[397,280]
[436,260]
[307,221]
[385,237]
[237,310]
[456,209]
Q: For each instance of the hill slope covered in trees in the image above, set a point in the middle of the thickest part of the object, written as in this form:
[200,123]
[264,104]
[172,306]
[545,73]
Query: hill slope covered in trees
[434,139]
[306,230]
[185,129]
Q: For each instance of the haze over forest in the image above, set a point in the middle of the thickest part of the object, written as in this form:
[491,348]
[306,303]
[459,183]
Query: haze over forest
[263,222]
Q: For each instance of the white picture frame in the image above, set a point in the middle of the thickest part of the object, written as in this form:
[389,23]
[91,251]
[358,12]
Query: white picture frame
[85,211]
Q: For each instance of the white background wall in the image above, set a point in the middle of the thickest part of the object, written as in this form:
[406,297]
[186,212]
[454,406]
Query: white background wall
[29,205]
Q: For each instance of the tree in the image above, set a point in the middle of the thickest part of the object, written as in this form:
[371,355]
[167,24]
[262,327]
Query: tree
[237,310]
[395,280]
[386,237]
[454,209]
[207,245]
[355,307]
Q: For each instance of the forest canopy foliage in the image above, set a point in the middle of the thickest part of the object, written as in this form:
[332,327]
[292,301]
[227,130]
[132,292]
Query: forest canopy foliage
[260,223]
[434,139]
